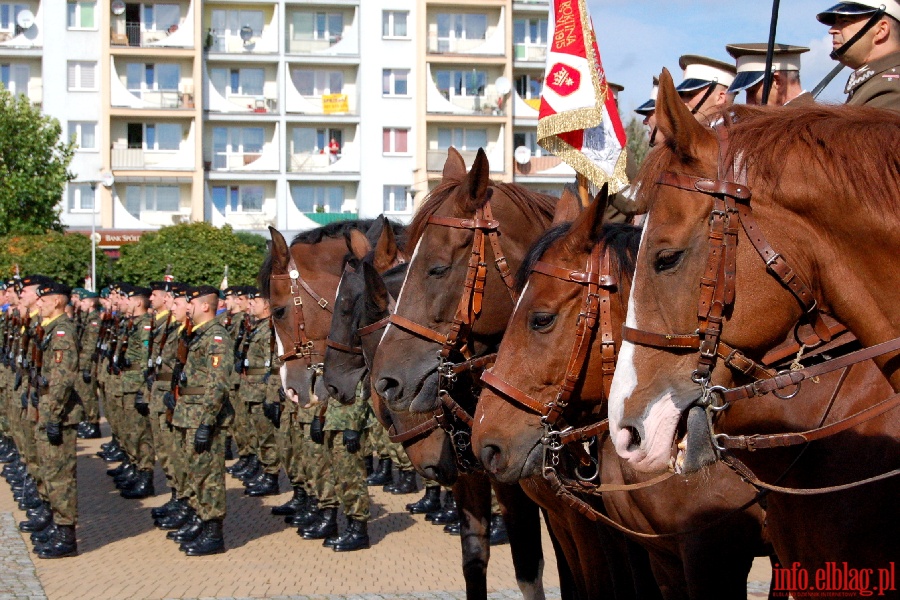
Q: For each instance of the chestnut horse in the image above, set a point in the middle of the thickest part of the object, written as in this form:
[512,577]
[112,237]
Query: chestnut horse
[534,358]
[814,192]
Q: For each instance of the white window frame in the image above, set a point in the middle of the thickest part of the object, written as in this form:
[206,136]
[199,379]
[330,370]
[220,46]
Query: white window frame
[389,199]
[13,10]
[79,67]
[464,132]
[12,86]
[391,74]
[74,195]
[153,25]
[324,189]
[78,4]
[388,18]
[321,82]
[144,191]
[76,130]
[392,151]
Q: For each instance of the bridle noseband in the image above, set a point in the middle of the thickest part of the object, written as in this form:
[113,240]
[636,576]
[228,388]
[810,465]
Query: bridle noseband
[303,347]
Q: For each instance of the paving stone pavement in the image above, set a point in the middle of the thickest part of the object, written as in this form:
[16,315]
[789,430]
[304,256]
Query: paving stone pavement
[123,556]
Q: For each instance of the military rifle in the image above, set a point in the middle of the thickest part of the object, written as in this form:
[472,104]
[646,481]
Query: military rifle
[112,342]
[10,324]
[22,355]
[100,345]
[37,381]
[181,355]
[243,341]
[153,364]
[119,359]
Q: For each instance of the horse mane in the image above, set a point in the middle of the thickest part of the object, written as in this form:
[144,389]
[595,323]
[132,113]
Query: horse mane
[622,239]
[835,140]
[532,204]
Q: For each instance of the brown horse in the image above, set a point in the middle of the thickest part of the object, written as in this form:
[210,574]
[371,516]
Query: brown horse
[534,357]
[766,185]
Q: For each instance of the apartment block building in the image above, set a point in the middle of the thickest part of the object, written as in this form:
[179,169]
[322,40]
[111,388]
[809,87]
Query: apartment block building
[289,113]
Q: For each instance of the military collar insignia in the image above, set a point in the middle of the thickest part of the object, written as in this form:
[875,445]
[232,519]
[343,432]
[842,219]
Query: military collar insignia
[859,77]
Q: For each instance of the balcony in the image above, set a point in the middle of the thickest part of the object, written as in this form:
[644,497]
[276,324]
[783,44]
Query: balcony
[128,30]
[435,159]
[543,166]
[527,52]
[489,103]
[301,37]
[317,162]
[138,159]
[243,30]
[483,41]
[18,37]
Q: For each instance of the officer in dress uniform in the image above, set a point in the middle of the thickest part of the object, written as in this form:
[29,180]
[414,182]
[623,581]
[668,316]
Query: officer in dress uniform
[751,72]
[86,385]
[866,38]
[704,88]
[59,413]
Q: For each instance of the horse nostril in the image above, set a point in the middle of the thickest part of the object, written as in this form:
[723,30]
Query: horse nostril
[492,458]
[332,391]
[388,388]
[635,438]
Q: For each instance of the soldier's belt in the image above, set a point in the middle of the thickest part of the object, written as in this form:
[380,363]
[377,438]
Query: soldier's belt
[260,371]
[164,377]
[192,391]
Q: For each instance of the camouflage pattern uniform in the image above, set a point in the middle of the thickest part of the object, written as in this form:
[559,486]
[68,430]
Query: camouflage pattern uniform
[163,363]
[255,375]
[348,471]
[290,431]
[5,325]
[242,430]
[87,342]
[203,400]
[29,413]
[109,380]
[312,456]
[137,436]
[59,405]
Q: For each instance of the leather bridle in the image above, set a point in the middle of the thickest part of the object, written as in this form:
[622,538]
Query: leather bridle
[303,347]
[449,415]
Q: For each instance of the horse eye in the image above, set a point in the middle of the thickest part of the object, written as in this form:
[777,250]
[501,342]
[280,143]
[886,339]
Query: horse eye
[279,312]
[438,271]
[667,259]
[542,321]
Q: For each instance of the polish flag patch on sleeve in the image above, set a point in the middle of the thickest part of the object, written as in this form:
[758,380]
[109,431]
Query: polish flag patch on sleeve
[60,333]
[217,338]
[146,328]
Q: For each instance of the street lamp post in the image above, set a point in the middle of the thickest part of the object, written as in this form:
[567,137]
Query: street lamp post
[107,180]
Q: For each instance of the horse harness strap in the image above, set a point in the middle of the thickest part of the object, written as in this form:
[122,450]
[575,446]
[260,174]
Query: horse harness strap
[303,346]
[373,327]
[343,347]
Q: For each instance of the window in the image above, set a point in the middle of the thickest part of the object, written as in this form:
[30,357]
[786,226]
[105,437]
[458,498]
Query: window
[309,198]
[393,23]
[84,133]
[462,139]
[154,136]
[318,26]
[162,198]
[395,141]
[15,78]
[317,83]
[529,140]
[461,26]
[238,82]
[160,17]
[230,22]
[395,82]
[8,15]
[461,83]
[81,197]
[529,87]
[240,141]
[81,15]
[82,76]
[157,77]
[238,198]
[396,198]
[311,140]
[530,31]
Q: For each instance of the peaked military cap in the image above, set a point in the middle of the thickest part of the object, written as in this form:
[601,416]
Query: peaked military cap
[859,8]
[104,293]
[180,290]
[701,71]
[751,62]
[253,292]
[229,291]
[161,286]
[83,293]
[649,106]
[50,287]
[202,290]
[30,280]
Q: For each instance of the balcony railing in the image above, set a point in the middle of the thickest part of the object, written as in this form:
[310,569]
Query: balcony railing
[138,159]
[165,99]
[135,37]
[224,161]
[530,52]
[311,46]
[488,105]
[441,45]
[537,165]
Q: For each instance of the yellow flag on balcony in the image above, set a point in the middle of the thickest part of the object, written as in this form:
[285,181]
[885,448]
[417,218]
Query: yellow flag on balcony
[578,120]
[335,103]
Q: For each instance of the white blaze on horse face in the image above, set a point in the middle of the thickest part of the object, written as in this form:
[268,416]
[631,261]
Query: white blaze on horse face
[403,287]
[625,378]
[283,369]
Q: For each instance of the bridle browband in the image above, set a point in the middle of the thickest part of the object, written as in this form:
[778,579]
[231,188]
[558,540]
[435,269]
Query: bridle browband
[449,415]
[303,347]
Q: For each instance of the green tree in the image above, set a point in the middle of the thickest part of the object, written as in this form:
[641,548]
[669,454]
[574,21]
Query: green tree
[64,257]
[638,141]
[197,252]
[34,167]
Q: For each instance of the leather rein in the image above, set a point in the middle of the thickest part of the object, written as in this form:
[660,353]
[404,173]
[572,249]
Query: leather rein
[731,211]
[303,347]
[449,415]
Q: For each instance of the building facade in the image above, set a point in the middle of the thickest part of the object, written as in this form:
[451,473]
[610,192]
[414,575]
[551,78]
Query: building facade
[287,113]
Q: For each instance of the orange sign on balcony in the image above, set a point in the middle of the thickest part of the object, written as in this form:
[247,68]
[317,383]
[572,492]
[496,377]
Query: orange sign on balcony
[335,103]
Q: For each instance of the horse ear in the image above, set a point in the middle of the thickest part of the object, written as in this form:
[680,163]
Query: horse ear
[385,249]
[568,207]
[477,182]
[374,231]
[678,126]
[376,292]
[455,167]
[587,227]
[280,252]
[357,243]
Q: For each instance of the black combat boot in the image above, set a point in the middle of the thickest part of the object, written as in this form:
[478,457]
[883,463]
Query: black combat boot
[406,484]
[499,535]
[238,465]
[430,502]
[127,479]
[122,468]
[453,528]
[355,538]
[249,464]
[384,474]
[189,532]
[268,487]
[448,514]
[30,499]
[82,430]
[61,544]
[39,538]
[169,506]
[38,522]
[11,454]
[325,526]
[142,488]
[44,507]
[258,480]
[92,431]
[107,448]
[253,469]
[296,503]
[210,542]
[175,520]
[305,516]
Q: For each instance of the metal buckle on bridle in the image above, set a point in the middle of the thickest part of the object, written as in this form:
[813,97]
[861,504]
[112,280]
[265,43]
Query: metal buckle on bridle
[552,442]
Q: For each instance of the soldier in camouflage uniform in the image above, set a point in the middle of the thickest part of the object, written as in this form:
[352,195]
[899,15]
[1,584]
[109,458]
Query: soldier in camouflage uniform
[86,385]
[254,368]
[7,446]
[136,482]
[288,434]
[59,415]
[202,414]
[238,323]
[11,406]
[110,389]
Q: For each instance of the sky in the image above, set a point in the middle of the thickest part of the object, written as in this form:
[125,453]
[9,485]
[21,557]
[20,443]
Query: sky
[639,37]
